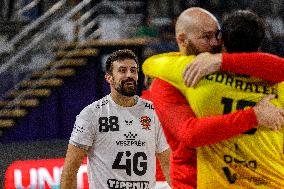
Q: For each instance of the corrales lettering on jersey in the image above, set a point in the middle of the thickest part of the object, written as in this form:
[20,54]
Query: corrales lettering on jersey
[116,184]
[241,84]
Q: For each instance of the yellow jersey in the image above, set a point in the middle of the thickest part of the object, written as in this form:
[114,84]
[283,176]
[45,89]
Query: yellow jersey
[251,160]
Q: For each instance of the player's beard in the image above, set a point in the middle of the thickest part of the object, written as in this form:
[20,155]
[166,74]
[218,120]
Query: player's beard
[191,49]
[127,87]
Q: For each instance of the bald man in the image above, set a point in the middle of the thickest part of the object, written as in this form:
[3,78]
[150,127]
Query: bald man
[197,31]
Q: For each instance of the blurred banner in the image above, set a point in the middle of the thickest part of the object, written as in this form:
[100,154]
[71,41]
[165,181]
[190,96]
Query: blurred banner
[41,174]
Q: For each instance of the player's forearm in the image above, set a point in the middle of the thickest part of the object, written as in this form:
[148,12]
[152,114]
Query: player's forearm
[210,130]
[72,162]
[69,175]
[179,121]
[262,65]
[196,132]
[164,159]
[68,181]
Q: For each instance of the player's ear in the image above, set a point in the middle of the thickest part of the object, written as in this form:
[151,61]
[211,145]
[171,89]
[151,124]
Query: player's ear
[108,78]
[181,38]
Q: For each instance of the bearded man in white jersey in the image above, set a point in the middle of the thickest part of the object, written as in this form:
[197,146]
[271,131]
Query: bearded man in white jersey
[120,134]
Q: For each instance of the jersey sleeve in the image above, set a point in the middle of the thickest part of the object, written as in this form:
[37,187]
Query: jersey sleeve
[168,67]
[83,131]
[262,65]
[161,142]
[180,123]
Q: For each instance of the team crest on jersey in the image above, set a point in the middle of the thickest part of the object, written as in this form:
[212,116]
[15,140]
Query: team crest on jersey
[145,122]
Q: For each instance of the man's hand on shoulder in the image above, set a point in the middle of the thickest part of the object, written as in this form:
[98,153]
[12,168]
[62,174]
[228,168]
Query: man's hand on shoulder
[202,65]
[269,115]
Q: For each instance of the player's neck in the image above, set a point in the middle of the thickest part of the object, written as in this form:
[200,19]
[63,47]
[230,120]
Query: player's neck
[121,100]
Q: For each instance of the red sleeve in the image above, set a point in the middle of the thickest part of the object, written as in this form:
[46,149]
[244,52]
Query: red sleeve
[146,95]
[179,122]
[262,65]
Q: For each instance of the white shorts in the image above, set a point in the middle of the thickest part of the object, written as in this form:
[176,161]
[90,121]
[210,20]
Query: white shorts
[162,185]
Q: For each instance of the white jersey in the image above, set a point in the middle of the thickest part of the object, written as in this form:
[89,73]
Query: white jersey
[123,142]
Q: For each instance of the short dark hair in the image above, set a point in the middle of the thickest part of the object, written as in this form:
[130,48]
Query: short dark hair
[119,55]
[242,31]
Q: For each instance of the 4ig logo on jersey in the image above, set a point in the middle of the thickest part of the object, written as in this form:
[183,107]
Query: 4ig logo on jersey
[132,162]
